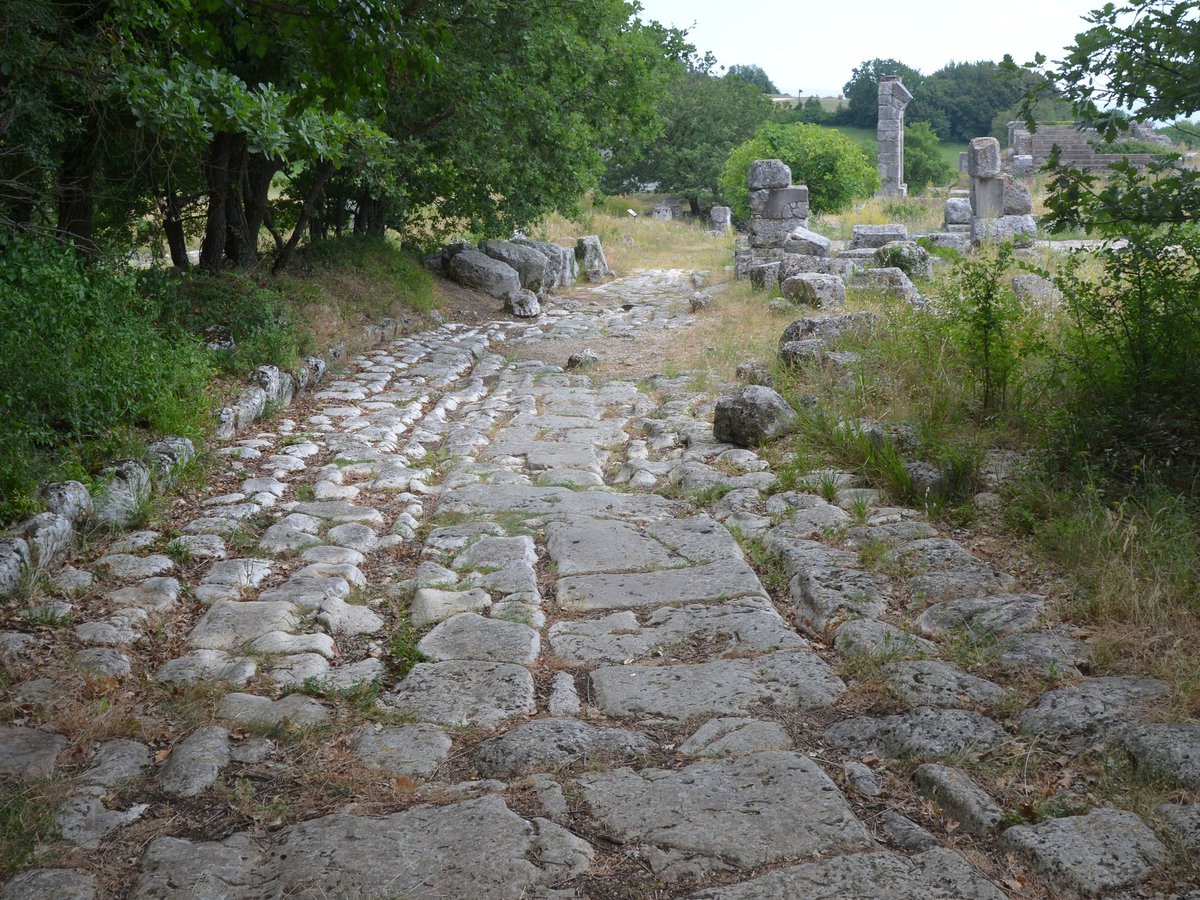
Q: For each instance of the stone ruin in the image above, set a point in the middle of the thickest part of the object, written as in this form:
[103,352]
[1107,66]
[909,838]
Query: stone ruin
[777,207]
[893,98]
[720,219]
[520,271]
[1001,207]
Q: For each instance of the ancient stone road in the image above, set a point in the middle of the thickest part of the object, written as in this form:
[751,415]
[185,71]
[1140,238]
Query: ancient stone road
[611,702]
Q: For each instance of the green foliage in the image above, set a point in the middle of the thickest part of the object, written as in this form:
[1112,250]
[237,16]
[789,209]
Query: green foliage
[1133,356]
[1184,132]
[753,75]
[703,118]
[924,163]
[85,365]
[862,91]
[834,167]
[253,315]
[984,312]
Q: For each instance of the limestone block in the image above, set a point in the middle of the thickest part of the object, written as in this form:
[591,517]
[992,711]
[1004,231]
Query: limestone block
[983,158]
[766,174]
[875,236]
[806,243]
[820,291]
[720,219]
[530,263]
[477,270]
[957,211]
[1017,199]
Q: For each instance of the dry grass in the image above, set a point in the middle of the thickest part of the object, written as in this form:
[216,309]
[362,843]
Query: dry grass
[919,213]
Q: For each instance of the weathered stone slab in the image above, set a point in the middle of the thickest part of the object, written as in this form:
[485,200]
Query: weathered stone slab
[930,682]
[413,750]
[471,636]
[49,884]
[959,797]
[263,712]
[580,546]
[233,625]
[196,762]
[749,624]
[922,732]
[879,639]
[734,736]
[430,605]
[745,812]
[1096,705]
[1054,652]
[728,687]
[553,501]
[824,595]
[983,618]
[548,744]
[496,553]
[752,415]
[29,752]
[933,875]
[464,692]
[698,584]
[84,820]
[1167,750]
[1103,851]
[207,665]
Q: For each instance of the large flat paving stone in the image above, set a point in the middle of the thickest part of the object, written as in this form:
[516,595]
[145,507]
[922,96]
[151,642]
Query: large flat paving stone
[49,884]
[748,624]
[554,501]
[709,583]
[715,815]
[471,636]
[464,692]
[547,744]
[235,625]
[29,752]
[983,618]
[1096,705]
[726,687]
[926,731]
[1087,855]
[582,546]
[1172,751]
[931,682]
[413,750]
[477,848]
[934,875]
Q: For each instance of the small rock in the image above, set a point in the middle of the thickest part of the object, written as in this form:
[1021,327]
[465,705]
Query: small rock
[907,834]
[196,762]
[959,797]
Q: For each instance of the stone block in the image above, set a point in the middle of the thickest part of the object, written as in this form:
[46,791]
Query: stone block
[875,236]
[957,211]
[1017,200]
[983,158]
[806,243]
[987,197]
[766,174]
[787,203]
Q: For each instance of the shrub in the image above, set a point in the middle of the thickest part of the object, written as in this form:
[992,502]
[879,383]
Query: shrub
[83,367]
[923,161]
[833,166]
[1133,356]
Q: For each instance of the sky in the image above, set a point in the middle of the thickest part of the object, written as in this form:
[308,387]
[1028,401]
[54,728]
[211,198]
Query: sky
[810,48]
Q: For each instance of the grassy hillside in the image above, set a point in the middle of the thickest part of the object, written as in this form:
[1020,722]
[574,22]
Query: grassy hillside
[867,136]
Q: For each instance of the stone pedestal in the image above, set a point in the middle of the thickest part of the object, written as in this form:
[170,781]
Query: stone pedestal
[893,98]
[720,219]
[1001,207]
[777,207]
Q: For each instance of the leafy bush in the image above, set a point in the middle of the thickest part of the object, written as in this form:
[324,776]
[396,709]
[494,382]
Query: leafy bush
[923,161]
[834,168]
[984,313]
[1133,356]
[83,367]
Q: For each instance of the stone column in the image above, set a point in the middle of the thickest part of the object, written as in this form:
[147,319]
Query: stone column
[777,207]
[720,219]
[893,97]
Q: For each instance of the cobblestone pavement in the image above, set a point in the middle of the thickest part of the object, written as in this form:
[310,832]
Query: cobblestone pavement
[461,626]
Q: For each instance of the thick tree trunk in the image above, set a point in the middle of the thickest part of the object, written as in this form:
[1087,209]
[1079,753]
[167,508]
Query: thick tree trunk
[76,196]
[310,202]
[241,247]
[173,226]
[257,190]
[216,176]
[694,203]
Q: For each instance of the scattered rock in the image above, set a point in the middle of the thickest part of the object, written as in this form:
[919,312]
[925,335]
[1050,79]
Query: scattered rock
[959,797]
[752,415]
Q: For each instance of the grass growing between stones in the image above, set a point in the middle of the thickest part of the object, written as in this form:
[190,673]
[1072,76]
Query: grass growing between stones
[27,819]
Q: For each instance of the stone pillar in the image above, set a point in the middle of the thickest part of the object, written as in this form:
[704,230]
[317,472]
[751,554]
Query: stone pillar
[777,207]
[1001,208]
[720,219]
[893,97]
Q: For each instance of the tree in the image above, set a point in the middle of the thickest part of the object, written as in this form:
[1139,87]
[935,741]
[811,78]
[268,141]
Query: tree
[960,100]
[703,118]
[754,75]
[834,168]
[1139,58]
[862,91]
[811,111]
[923,161]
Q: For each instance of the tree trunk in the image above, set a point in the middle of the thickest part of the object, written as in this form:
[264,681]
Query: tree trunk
[216,176]
[310,202]
[76,196]
[694,203]
[173,226]
[241,247]
[259,172]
